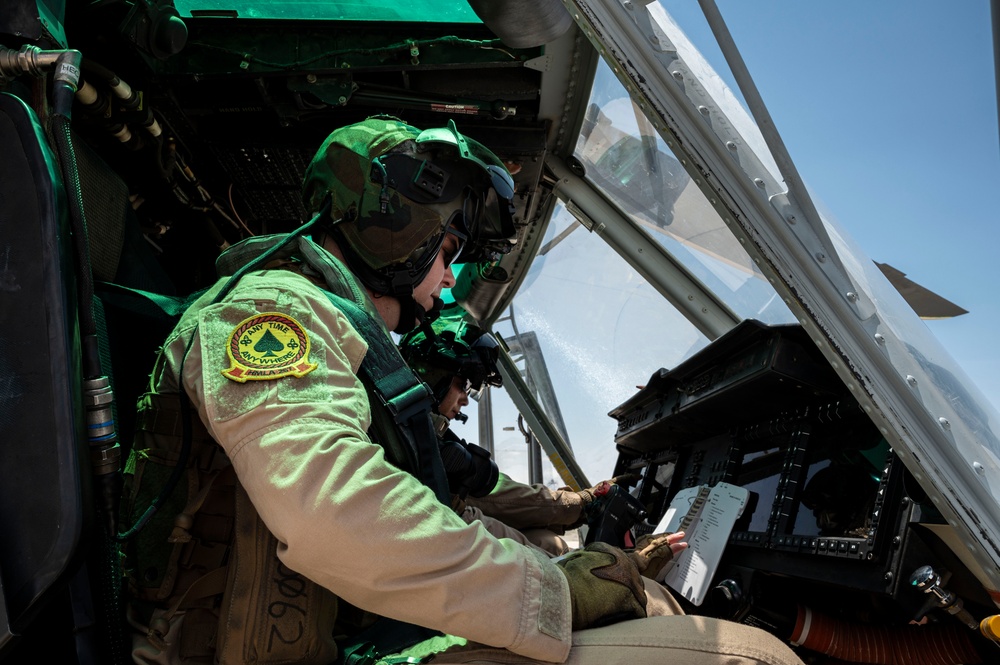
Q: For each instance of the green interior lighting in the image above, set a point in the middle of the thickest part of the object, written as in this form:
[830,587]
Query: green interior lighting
[412,11]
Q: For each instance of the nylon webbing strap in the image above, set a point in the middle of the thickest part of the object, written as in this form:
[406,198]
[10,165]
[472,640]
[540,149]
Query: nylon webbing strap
[408,399]
[152,305]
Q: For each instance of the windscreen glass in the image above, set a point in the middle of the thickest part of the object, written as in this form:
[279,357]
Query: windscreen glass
[625,157]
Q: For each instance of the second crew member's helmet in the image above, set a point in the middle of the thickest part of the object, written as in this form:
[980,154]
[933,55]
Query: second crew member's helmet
[451,346]
[394,192]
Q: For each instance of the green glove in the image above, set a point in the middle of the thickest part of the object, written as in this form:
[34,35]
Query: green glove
[604,586]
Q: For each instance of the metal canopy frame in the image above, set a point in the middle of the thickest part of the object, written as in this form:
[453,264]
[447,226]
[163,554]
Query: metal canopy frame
[794,248]
[708,313]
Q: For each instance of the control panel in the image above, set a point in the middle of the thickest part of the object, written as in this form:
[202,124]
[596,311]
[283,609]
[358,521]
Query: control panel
[762,410]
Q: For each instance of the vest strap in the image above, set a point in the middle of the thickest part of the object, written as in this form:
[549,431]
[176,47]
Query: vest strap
[409,400]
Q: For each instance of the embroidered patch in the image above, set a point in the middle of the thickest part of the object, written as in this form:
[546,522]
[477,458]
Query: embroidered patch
[267,346]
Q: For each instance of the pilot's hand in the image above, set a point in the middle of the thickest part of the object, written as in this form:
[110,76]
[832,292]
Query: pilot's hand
[654,551]
[600,489]
[604,586]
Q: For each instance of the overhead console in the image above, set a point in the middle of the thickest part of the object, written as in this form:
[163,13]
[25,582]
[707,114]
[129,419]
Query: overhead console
[761,409]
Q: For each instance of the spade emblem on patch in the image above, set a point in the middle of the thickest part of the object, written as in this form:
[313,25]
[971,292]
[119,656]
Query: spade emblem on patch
[267,346]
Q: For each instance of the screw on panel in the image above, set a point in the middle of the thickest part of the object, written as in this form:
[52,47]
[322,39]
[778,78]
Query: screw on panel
[912,380]
[703,110]
[821,257]
[679,75]
[944,422]
[731,145]
[879,338]
[310,78]
[980,469]
[791,219]
[852,296]
[759,182]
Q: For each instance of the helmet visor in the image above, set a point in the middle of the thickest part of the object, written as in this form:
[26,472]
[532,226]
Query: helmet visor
[492,226]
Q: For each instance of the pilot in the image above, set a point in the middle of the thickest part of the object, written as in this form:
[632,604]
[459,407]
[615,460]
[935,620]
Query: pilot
[456,357]
[284,504]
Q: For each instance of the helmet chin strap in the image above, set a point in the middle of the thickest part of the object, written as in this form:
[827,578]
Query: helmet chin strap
[436,308]
[411,314]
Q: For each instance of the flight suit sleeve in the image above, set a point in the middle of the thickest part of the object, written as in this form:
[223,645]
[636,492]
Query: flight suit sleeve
[344,516]
[531,506]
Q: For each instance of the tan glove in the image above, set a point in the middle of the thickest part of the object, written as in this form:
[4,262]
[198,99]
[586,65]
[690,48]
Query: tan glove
[654,551]
[604,586]
[588,495]
[601,488]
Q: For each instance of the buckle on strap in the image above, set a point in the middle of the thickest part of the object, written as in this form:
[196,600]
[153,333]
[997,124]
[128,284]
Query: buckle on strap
[410,402]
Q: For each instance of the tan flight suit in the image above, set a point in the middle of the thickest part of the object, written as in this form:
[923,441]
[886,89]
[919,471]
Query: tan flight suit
[530,514]
[374,535]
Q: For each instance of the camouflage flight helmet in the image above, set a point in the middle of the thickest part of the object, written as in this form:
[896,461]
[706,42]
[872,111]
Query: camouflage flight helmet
[449,347]
[394,191]
[389,241]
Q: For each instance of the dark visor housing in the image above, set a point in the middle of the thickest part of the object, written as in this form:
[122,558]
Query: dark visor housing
[474,173]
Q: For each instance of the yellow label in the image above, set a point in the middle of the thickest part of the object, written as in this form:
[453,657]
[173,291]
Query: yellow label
[267,346]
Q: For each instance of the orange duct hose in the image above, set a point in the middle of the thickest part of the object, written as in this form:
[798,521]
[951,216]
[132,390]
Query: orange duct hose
[930,644]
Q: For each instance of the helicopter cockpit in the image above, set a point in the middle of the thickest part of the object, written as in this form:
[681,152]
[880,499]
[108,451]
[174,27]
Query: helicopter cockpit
[675,309]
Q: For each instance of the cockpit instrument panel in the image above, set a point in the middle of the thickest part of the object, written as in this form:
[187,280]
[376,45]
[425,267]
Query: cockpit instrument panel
[761,409]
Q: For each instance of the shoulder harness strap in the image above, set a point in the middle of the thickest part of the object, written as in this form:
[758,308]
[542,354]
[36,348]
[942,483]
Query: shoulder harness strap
[408,400]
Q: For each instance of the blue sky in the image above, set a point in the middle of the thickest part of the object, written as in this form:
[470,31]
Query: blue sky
[889,110]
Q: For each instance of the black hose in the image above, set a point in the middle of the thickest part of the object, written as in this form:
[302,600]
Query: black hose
[85,278]
[108,478]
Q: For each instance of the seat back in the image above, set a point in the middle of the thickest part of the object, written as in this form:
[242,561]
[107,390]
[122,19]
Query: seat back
[44,491]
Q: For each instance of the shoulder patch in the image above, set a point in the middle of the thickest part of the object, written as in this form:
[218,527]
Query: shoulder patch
[267,346]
